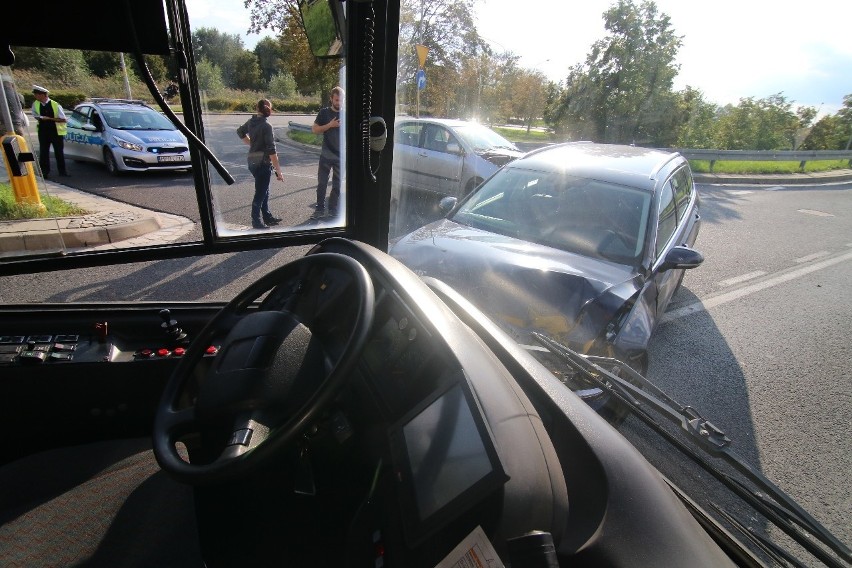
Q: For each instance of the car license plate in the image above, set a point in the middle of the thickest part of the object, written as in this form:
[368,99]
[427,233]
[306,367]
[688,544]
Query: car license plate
[169,158]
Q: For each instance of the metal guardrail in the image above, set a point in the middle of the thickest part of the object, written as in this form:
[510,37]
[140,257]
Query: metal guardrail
[801,156]
[299,127]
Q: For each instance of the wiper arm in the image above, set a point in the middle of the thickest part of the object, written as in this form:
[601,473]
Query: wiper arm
[771,501]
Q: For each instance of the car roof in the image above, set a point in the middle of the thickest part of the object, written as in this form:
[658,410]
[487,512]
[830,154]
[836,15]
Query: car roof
[444,121]
[117,103]
[626,165]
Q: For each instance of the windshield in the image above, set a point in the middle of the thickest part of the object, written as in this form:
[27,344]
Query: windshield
[481,138]
[701,238]
[737,338]
[137,120]
[564,212]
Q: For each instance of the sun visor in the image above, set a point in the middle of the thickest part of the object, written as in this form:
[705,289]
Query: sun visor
[99,25]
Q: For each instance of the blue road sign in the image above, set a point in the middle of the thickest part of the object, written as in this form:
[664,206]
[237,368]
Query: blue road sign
[421,79]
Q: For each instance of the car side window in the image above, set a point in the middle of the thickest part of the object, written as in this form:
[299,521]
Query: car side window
[436,138]
[77,119]
[97,120]
[682,185]
[408,134]
[666,218]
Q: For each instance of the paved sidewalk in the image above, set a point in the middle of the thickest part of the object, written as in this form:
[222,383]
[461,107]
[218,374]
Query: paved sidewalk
[108,224]
[112,224]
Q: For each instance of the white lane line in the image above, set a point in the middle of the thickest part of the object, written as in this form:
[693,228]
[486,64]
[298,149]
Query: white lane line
[727,297]
[743,278]
[741,192]
[811,257]
[774,188]
[815,212]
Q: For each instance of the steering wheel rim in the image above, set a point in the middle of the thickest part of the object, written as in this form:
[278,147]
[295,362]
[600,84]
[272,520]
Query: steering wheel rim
[174,419]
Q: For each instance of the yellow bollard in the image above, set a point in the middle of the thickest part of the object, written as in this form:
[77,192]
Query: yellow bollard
[19,163]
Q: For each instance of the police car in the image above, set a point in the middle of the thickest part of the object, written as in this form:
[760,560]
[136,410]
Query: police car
[125,135]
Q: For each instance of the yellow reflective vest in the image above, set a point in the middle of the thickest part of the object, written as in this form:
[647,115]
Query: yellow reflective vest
[61,127]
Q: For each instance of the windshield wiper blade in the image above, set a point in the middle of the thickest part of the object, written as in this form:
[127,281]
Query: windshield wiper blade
[771,501]
[778,554]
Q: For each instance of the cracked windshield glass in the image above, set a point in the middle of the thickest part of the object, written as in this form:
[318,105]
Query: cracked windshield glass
[640,181]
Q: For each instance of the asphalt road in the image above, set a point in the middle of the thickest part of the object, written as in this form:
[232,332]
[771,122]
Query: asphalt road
[757,340]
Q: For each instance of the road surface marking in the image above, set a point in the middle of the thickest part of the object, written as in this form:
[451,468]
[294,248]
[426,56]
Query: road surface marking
[774,188]
[816,213]
[743,278]
[727,297]
[811,257]
[741,192]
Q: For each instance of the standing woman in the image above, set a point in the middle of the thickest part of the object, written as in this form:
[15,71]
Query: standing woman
[257,134]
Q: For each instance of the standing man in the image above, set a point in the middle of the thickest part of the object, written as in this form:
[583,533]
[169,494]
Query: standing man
[327,123]
[51,127]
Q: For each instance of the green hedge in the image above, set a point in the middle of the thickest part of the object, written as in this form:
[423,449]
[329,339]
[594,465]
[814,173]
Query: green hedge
[68,99]
[224,104]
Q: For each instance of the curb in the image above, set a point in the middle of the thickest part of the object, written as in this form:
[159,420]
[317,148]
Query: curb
[835,176]
[110,222]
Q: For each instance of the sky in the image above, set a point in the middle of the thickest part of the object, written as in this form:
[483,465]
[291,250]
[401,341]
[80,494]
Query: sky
[732,49]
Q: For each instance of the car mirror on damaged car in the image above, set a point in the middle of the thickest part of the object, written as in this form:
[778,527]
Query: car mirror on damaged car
[682,257]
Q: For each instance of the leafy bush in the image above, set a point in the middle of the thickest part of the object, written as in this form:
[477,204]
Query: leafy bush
[282,85]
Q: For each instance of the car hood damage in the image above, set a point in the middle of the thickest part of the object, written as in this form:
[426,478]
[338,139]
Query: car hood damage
[529,287]
[499,156]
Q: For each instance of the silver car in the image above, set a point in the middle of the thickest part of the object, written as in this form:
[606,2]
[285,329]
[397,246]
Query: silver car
[125,135]
[443,157]
[448,157]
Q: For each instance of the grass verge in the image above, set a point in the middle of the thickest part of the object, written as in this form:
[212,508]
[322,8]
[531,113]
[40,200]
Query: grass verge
[11,210]
[305,137]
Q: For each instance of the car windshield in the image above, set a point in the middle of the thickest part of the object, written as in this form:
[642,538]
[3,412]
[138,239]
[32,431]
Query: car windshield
[568,213]
[137,119]
[482,138]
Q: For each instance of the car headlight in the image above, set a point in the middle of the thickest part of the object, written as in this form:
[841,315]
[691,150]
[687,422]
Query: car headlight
[129,145]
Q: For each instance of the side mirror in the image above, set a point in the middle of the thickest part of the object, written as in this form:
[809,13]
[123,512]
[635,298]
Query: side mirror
[682,257]
[89,127]
[446,204]
[323,21]
[454,148]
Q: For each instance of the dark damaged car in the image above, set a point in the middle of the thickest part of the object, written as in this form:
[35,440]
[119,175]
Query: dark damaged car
[583,243]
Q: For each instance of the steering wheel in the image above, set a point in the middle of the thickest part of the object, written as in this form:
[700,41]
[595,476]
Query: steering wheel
[279,366]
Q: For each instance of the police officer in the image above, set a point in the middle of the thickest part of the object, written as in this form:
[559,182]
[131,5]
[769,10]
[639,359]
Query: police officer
[51,126]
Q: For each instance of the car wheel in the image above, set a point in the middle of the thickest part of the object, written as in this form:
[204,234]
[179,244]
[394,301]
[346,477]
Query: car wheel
[471,185]
[111,164]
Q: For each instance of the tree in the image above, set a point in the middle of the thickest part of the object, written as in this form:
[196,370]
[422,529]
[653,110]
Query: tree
[282,85]
[696,119]
[623,92]
[758,124]
[832,132]
[246,72]
[447,28]
[209,77]
[270,58]
[226,52]
[269,14]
